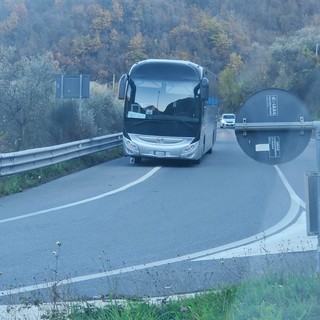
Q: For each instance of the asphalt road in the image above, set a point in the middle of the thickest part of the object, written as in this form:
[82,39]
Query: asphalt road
[155,228]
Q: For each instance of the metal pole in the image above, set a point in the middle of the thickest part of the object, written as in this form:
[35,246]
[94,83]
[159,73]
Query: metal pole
[317,131]
[61,89]
[80,96]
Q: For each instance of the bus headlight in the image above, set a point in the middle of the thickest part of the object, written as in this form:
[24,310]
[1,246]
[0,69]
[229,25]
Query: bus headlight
[130,146]
[190,148]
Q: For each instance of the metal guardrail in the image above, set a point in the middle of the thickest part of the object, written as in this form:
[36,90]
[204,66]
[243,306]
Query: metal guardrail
[15,162]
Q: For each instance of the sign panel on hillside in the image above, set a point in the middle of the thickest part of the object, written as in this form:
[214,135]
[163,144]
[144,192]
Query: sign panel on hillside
[72,86]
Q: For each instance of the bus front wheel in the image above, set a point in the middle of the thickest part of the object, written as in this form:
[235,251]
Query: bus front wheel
[135,160]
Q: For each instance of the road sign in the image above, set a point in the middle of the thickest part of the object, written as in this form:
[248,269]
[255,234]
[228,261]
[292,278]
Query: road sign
[72,86]
[273,126]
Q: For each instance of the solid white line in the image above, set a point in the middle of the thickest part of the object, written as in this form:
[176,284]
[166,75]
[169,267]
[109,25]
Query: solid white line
[252,245]
[293,195]
[292,239]
[296,202]
[77,203]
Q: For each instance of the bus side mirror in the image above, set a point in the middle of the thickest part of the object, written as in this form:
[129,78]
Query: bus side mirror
[204,89]
[122,86]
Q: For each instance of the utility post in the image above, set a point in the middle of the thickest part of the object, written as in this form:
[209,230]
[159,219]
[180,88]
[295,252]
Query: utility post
[80,96]
[317,131]
[313,197]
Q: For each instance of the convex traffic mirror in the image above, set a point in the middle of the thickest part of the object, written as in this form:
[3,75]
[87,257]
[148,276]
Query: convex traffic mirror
[273,126]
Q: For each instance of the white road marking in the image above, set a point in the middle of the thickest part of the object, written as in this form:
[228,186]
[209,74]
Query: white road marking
[292,238]
[77,203]
[224,251]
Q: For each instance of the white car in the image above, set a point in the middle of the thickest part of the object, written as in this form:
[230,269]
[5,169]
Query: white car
[227,120]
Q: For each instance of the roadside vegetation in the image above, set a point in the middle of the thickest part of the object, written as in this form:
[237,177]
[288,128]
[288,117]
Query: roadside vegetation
[271,297]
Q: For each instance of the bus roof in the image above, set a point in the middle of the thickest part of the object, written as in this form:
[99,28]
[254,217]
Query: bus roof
[167,69]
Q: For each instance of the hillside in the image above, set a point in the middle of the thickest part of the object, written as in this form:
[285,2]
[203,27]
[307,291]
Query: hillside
[251,45]
[103,38]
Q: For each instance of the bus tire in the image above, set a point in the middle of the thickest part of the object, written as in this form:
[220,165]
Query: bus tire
[210,150]
[135,160]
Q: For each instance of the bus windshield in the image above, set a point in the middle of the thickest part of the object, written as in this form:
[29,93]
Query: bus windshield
[163,99]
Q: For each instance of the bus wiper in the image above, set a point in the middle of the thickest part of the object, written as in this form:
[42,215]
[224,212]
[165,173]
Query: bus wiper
[148,120]
[161,120]
[184,122]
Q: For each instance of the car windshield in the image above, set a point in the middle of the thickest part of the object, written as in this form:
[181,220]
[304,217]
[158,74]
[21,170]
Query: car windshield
[229,116]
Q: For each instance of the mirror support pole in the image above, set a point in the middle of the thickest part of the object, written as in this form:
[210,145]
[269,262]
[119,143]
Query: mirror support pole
[317,131]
